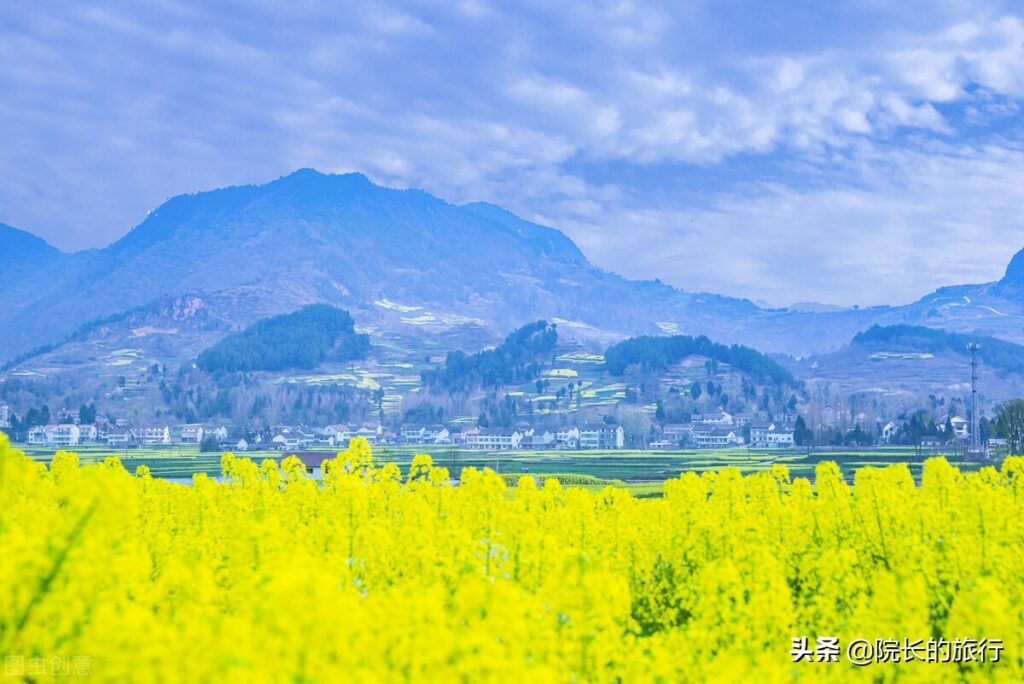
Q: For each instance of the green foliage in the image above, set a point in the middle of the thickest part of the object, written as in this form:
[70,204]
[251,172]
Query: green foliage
[801,434]
[87,414]
[303,339]
[658,353]
[1010,424]
[209,444]
[514,361]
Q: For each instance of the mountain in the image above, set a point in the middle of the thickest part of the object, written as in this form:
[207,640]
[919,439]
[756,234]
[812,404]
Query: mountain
[406,264]
[904,364]
[23,258]
[1014,278]
[402,258]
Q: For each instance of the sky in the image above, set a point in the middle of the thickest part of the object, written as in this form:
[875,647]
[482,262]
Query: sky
[858,152]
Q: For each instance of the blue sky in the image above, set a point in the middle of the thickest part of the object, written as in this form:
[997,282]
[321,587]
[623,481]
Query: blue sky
[848,152]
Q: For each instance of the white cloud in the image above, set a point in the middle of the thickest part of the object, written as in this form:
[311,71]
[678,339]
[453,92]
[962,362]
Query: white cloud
[592,116]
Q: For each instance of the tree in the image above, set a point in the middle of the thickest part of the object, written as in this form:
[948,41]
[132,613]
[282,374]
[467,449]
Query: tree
[1010,423]
[696,390]
[209,444]
[87,414]
[801,435]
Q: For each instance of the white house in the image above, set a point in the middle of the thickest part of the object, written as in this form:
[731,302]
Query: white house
[716,418]
[425,434]
[493,439]
[87,433]
[769,435]
[759,431]
[5,416]
[292,439]
[191,434]
[961,428]
[568,437]
[888,432]
[121,438]
[538,440]
[601,436]
[715,437]
[371,433]
[37,435]
[63,435]
[780,438]
[156,434]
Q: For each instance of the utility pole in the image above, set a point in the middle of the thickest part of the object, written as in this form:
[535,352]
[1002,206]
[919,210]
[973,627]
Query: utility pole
[975,425]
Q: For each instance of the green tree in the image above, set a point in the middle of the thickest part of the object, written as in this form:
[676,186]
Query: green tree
[1010,423]
[696,390]
[87,414]
[801,435]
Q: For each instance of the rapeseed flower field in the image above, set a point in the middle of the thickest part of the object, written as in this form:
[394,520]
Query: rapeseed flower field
[372,576]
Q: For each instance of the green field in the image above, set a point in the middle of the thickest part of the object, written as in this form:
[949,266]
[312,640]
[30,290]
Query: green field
[640,471]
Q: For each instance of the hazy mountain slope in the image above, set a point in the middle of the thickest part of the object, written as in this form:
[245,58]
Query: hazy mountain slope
[310,238]
[407,263]
[25,262]
[906,363]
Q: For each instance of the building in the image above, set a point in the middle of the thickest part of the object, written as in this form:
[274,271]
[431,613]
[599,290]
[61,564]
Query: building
[716,418]
[63,435]
[742,419]
[88,433]
[371,433]
[121,438]
[314,462]
[191,434]
[288,439]
[156,435]
[961,427]
[601,436]
[780,438]
[5,416]
[425,434]
[494,439]
[770,435]
[715,437]
[567,438]
[37,435]
[888,432]
[759,431]
[677,433]
[539,440]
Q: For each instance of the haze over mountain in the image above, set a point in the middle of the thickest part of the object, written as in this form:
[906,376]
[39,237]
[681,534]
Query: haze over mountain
[404,260]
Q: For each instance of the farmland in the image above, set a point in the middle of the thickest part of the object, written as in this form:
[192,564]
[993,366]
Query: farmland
[638,470]
[713,581]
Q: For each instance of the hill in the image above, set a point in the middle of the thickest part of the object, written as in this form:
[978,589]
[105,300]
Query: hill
[658,353]
[999,354]
[301,340]
[515,360]
[891,367]
[407,264]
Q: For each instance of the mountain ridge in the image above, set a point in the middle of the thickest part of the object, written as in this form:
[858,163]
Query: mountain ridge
[253,251]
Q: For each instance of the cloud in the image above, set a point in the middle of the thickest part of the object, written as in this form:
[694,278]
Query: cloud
[816,135]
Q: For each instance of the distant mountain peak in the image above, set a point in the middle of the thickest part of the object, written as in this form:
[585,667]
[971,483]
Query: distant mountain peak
[309,175]
[1015,271]
[20,244]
